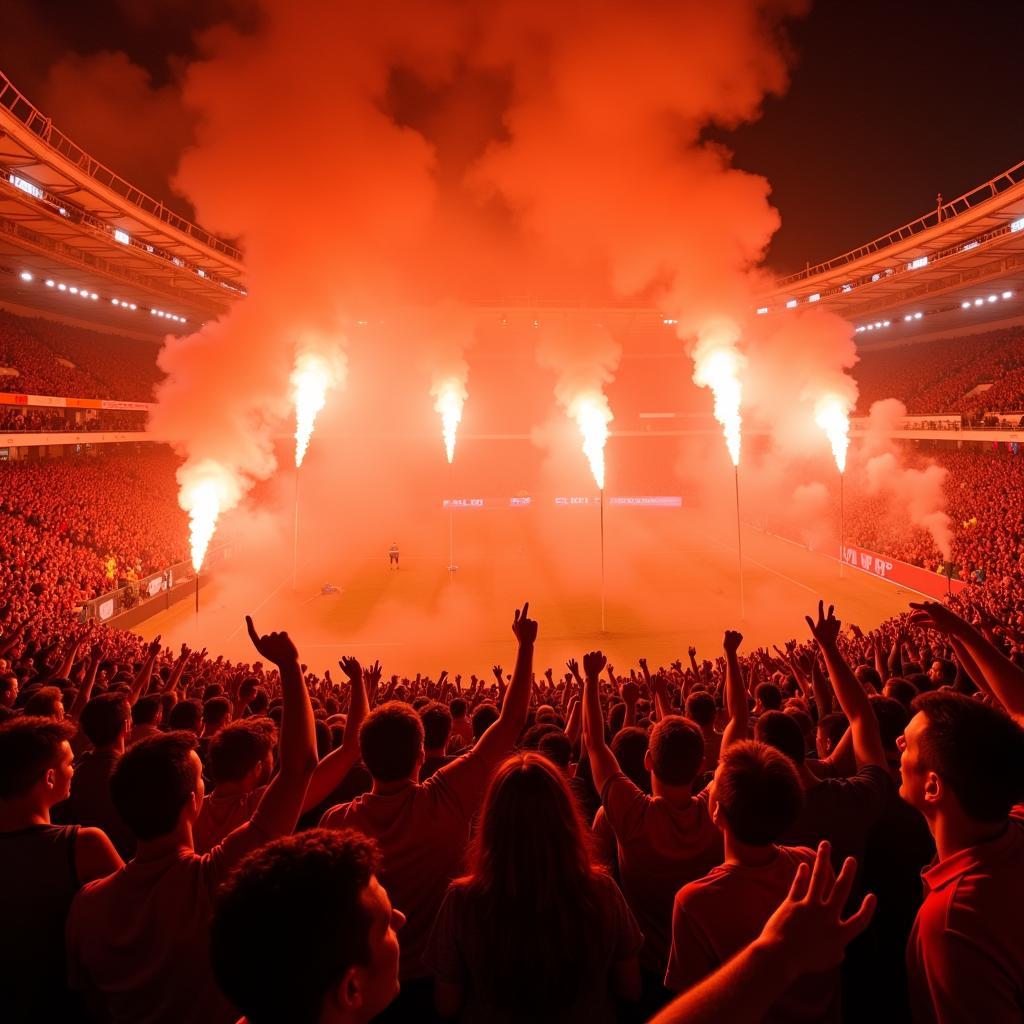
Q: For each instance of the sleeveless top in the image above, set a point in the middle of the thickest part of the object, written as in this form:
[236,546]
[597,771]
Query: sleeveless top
[40,877]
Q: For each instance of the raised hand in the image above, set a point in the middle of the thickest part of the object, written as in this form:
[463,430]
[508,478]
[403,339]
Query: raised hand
[593,664]
[630,692]
[934,615]
[826,629]
[498,674]
[732,641]
[371,676]
[692,651]
[351,667]
[808,924]
[574,667]
[275,647]
[524,628]
[154,646]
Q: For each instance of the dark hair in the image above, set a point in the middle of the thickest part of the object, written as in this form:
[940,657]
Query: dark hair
[892,720]
[556,747]
[616,717]
[868,674]
[976,750]
[629,746]
[532,737]
[260,702]
[758,790]
[677,750]
[532,839]
[43,702]
[104,718]
[238,748]
[901,690]
[296,904]
[833,726]
[483,718]
[28,747]
[391,740]
[700,706]
[457,707]
[186,714]
[153,781]
[147,709]
[804,722]
[781,731]
[216,711]
[437,725]
[769,695]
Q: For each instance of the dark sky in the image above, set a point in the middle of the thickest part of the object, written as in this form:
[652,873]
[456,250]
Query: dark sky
[890,102]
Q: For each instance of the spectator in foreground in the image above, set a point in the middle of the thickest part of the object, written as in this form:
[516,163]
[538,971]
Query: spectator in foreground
[42,866]
[536,930]
[138,940]
[304,932]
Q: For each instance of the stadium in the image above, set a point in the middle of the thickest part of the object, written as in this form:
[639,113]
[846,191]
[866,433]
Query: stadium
[324,357]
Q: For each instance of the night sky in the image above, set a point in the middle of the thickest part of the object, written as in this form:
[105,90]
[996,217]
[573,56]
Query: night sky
[889,104]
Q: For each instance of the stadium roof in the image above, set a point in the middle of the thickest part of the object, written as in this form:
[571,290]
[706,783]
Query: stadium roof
[66,218]
[939,265]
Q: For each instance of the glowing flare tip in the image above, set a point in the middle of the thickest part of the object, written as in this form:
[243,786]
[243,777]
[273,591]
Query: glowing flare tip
[451,396]
[718,369]
[832,416]
[202,501]
[592,416]
[310,380]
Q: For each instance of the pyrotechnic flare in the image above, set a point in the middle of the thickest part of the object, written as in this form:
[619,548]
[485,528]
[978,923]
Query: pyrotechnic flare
[832,415]
[717,366]
[310,380]
[592,416]
[450,397]
[207,490]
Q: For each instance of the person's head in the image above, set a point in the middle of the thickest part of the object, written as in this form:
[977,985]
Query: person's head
[629,746]
[242,752]
[259,702]
[303,931]
[216,714]
[186,714]
[901,690]
[483,718]
[391,742]
[616,717]
[157,784]
[437,726]
[892,721]
[804,722]
[458,709]
[675,751]
[8,689]
[829,732]
[35,762]
[779,730]
[557,748]
[148,710]
[962,759]
[247,689]
[532,737]
[942,672]
[868,677]
[768,697]
[104,719]
[756,793]
[45,702]
[700,708]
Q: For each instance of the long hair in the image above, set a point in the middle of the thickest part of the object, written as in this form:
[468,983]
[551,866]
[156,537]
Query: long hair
[532,886]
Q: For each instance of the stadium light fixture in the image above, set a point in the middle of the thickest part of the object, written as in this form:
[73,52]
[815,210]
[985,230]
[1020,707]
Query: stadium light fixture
[814,298]
[917,316]
[133,306]
[847,287]
[115,302]
[871,327]
[979,302]
[791,304]
[122,236]
[62,287]
[993,298]
[761,310]
[965,305]
[921,261]
[1017,224]
[1007,295]
[26,186]
[94,296]
[875,277]
[669,321]
[885,323]
[73,290]
[25,276]
[49,283]
[969,246]
[908,318]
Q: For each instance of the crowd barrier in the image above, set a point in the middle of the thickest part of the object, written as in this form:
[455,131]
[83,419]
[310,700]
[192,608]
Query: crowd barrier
[903,574]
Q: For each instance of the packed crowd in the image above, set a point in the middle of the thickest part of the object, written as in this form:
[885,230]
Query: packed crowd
[71,529]
[41,419]
[192,839]
[941,376]
[44,357]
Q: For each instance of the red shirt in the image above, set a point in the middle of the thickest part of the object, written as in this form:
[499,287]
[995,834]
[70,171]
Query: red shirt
[965,957]
[139,938]
[422,831]
[221,815]
[723,912]
[660,848]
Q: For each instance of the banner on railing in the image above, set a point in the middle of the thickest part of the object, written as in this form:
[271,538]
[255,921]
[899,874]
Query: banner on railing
[924,581]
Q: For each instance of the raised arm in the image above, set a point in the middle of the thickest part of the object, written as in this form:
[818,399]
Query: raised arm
[865,734]
[279,808]
[141,681]
[603,763]
[498,739]
[338,763]
[1003,677]
[735,692]
[85,690]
